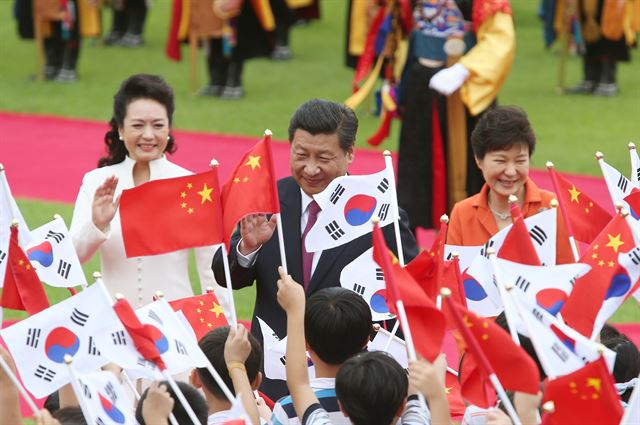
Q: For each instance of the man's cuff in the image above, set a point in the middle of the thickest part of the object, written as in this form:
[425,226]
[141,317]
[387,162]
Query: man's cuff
[248,260]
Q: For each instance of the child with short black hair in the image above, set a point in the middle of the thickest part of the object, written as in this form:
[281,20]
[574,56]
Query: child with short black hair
[159,400]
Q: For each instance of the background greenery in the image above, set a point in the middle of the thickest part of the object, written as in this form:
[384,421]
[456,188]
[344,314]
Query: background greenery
[569,129]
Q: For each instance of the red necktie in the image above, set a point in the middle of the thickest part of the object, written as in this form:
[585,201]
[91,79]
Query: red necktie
[307,257]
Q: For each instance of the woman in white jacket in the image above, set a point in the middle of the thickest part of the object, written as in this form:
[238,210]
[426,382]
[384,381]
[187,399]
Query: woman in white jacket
[137,144]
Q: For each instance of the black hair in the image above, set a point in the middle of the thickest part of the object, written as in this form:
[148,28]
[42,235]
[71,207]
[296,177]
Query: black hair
[318,116]
[371,388]
[212,345]
[608,332]
[500,129]
[337,324]
[194,397]
[627,365]
[71,415]
[52,402]
[138,86]
[525,343]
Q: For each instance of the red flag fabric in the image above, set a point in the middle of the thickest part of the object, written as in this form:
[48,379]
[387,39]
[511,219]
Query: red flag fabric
[172,48]
[251,189]
[633,199]
[584,218]
[586,396]
[486,340]
[586,298]
[452,390]
[425,320]
[168,215]
[203,312]
[517,245]
[22,289]
[438,167]
[142,335]
[427,267]
[475,386]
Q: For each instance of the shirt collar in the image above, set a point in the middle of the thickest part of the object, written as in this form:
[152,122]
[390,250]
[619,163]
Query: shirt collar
[531,195]
[306,200]
[154,165]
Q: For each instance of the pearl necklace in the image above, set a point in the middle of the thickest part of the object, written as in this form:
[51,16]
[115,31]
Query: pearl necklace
[504,216]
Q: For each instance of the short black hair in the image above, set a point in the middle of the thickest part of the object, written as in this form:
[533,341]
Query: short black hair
[318,116]
[501,128]
[371,387]
[627,365]
[337,324]
[212,345]
[194,397]
[525,343]
[71,415]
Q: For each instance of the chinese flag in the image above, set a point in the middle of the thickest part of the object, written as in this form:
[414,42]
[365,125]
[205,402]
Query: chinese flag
[511,364]
[517,245]
[251,189]
[452,390]
[168,215]
[141,335]
[203,312]
[425,320]
[475,386]
[22,288]
[585,301]
[585,217]
[427,267]
[586,396]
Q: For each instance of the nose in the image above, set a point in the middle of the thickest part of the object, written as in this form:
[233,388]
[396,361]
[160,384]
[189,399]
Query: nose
[311,168]
[510,170]
[148,132]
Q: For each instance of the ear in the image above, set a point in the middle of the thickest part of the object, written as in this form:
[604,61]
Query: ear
[401,408]
[350,156]
[342,410]
[257,381]
[194,379]
[478,161]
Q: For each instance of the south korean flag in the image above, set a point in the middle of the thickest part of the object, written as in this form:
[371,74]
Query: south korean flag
[348,204]
[105,398]
[274,354]
[52,254]
[364,277]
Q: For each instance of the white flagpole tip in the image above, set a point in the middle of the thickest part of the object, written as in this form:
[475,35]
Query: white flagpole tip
[15,223]
[159,294]
[549,164]
[209,290]
[375,220]
[619,206]
[268,132]
[631,146]
[444,218]
[513,199]
[445,292]
[1,167]
[491,251]
[600,348]
[68,359]
[213,163]
[56,216]
[553,203]
[549,407]
[386,152]
[624,212]
[455,254]
[97,275]
[599,155]
[508,286]
[119,296]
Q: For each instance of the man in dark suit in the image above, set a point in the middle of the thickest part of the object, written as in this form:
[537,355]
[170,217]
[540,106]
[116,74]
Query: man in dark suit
[322,136]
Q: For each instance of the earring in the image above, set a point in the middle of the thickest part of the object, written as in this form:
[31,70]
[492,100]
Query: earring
[168,137]
[120,137]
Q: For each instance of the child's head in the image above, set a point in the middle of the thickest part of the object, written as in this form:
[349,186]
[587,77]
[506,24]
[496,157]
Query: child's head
[372,388]
[627,365]
[337,324]
[193,396]
[212,345]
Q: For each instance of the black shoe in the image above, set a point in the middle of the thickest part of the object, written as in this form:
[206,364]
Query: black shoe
[211,90]
[232,93]
[50,73]
[584,87]
[606,89]
[281,53]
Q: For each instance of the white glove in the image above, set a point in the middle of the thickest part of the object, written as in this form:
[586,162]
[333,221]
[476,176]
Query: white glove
[450,79]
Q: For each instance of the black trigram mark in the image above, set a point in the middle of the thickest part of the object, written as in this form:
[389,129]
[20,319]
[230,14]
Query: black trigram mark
[384,185]
[623,183]
[99,421]
[93,350]
[45,373]
[538,314]
[634,256]
[3,255]
[111,392]
[358,289]
[522,283]
[33,337]
[180,348]
[337,193]
[638,174]
[79,318]
[334,230]
[145,363]
[283,360]
[538,235]
[58,237]
[119,338]
[384,211]
[485,247]
[379,274]
[85,389]
[64,268]
[154,316]
[560,351]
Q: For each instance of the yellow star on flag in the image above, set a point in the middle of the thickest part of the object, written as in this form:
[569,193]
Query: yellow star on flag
[595,383]
[217,309]
[190,210]
[189,185]
[205,193]
[614,242]
[236,180]
[253,162]
[574,194]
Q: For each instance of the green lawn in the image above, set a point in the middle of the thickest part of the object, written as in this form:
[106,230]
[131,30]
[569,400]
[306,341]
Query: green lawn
[569,129]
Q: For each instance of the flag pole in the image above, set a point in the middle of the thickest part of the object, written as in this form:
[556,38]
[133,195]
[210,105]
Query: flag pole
[632,223]
[455,257]
[634,400]
[279,228]
[600,159]
[444,221]
[477,352]
[227,277]
[21,390]
[563,211]
[283,255]
[75,384]
[509,313]
[635,167]
[388,163]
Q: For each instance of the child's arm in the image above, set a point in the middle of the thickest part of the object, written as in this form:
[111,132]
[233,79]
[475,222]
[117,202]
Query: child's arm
[292,299]
[9,399]
[429,379]
[236,350]
[157,405]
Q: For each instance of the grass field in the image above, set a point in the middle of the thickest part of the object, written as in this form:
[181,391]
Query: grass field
[569,129]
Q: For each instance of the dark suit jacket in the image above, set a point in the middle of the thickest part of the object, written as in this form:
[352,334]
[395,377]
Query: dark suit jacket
[326,274]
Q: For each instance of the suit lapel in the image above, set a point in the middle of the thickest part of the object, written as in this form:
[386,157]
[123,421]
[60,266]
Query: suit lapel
[327,258]
[290,209]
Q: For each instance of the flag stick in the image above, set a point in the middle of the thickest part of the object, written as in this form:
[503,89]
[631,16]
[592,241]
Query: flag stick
[283,255]
[181,397]
[632,223]
[634,400]
[563,211]
[391,336]
[276,200]
[506,302]
[388,162]
[21,390]
[481,358]
[227,277]
[455,257]
[601,163]
[75,384]
[136,394]
[444,221]
[635,167]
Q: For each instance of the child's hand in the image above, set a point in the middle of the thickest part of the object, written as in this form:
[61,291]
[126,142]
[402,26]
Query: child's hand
[237,348]
[9,360]
[158,404]
[498,417]
[263,409]
[290,293]
[428,378]
[45,418]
